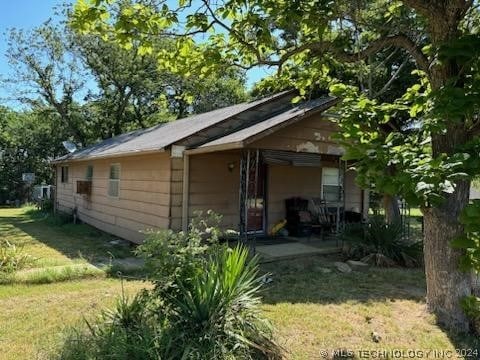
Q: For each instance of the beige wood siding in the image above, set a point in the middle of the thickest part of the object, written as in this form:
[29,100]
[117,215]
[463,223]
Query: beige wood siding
[143,201]
[213,186]
[312,134]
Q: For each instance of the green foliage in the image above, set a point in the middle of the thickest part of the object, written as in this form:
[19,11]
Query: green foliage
[12,258]
[396,161]
[172,256]
[124,332]
[49,275]
[27,141]
[469,242]
[219,310]
[471,306]
[213,316]
[88,87]
[382,244]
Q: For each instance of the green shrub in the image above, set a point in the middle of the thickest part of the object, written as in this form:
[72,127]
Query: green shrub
[12,258]
[204,305]
[172,257]
[382,244]
[471,307]
[122,333]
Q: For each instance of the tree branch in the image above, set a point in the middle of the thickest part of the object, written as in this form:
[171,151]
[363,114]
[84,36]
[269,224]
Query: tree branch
[399,40]
[392,79]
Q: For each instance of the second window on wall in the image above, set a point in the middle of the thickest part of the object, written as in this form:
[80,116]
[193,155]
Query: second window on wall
[114,181]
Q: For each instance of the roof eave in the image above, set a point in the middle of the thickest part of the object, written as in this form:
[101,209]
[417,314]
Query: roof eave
[213,148]
[109,156]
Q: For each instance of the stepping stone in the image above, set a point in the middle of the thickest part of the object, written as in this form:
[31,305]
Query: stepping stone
[358,265]
[343,267]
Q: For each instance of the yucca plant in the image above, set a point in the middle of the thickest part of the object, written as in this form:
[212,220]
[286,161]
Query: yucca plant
[219,309]
[382,244]
[204,305]
[126,332]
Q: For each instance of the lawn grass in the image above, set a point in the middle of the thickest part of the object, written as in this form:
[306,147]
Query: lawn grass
[33,316]
[54,244]
[312,306]
[315,311]
[60,288]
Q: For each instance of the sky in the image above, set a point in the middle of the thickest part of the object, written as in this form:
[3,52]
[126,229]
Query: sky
[27,14]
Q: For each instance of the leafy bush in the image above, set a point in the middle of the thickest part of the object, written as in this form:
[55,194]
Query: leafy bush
[122,333]
[471,307]
[204,305]
[382,244]
[12,258]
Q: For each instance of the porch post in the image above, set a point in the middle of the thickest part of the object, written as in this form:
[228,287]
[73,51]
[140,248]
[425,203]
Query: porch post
[248,190]
[257,159]
[243,192]
[185,191]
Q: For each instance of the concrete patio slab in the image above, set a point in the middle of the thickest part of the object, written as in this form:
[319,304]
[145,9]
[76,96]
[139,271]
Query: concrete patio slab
[289,250]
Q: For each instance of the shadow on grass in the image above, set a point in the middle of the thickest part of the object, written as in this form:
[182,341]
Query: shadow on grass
[315,280]
[73,240]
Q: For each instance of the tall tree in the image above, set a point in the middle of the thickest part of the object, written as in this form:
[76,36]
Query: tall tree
[47,72]
[28,141]
[432,148]
[100,89]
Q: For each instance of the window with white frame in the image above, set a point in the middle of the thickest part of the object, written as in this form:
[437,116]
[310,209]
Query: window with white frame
[331,185]
[114,181]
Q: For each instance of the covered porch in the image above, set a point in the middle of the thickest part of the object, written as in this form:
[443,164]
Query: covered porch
[252,188]
[277,182]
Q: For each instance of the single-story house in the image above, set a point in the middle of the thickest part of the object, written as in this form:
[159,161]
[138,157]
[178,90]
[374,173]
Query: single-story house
[242,161]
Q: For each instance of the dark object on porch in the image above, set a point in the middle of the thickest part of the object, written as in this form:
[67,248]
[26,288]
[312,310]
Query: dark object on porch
[299,219]
[323,218]
[353,217]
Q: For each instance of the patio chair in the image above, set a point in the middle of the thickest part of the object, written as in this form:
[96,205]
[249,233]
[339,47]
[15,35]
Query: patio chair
[323,219]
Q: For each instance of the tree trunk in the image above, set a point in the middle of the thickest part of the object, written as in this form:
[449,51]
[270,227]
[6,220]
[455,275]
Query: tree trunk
[446,285]
[392,211]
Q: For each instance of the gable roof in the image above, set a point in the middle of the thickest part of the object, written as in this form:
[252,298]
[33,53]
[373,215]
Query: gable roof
[157,138]
[240,138]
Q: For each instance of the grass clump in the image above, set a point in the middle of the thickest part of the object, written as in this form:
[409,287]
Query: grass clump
[12,258]
[204,305]
[50,275]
